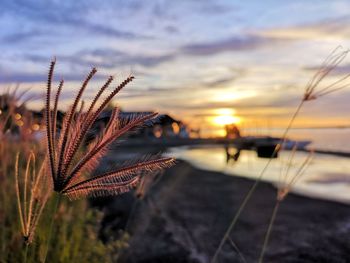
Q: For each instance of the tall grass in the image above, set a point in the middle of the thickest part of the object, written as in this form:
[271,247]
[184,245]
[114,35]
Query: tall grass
[285,185]
[76,235]
[32,193]
[65,164]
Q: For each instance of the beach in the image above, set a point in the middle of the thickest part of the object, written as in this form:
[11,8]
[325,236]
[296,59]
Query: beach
[184,216]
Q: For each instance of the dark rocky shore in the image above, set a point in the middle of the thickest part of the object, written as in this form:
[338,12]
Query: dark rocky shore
[185,215]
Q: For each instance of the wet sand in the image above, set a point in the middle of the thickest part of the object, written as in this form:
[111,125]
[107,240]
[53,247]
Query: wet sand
[185,215]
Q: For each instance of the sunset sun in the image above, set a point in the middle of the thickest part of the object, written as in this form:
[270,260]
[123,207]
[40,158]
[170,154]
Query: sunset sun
[225,116]
[226,119]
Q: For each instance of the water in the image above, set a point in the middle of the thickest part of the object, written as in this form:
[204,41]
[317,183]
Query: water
[332,139]
[327,176]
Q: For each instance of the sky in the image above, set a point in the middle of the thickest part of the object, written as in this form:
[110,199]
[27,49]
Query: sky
[204,62]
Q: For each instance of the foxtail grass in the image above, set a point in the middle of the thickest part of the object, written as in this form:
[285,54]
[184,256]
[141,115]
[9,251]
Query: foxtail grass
[83,243]
[32,191]
[69,164]
[67,167]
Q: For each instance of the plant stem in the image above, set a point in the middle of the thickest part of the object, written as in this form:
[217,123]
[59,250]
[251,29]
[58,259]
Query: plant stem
[268,233]
[256,183]
[58,200]
[237,250]
[131,214]
[240,210]
[26,253]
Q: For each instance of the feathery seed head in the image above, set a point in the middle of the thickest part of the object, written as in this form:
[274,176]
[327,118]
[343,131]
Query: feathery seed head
[312,91]
[66,169]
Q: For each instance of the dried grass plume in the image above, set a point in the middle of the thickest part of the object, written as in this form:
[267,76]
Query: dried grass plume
[66,163]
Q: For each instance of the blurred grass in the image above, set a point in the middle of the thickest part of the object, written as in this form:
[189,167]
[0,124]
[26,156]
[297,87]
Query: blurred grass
[75,230]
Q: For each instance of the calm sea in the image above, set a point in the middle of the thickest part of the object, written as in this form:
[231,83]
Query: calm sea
[326,177]
[333,139]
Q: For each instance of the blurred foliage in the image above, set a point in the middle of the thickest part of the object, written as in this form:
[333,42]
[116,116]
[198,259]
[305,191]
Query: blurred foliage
[76,225]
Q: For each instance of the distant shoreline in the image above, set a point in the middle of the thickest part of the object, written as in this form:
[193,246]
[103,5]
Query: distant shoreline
[336,153]
[176,142]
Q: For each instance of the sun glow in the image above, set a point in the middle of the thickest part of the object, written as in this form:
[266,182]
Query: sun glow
[229,96]
[226,119]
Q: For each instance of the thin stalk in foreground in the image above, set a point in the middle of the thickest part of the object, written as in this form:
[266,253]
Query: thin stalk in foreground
[282,193]
[26,253]
[311,93]
[57,204]
[131,214]
[268,233]
[256,183]
[237,249]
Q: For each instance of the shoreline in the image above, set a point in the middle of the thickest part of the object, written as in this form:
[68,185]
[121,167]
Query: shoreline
[185,215]
[335,153]
[169,143]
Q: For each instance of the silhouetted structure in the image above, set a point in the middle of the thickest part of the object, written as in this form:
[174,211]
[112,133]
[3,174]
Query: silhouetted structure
[163,127]
[232,131]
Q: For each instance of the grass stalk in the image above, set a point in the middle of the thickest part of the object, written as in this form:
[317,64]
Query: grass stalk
[237,250]
[256,183]
[54,212]
[26,253]
[269,229]
[131,214]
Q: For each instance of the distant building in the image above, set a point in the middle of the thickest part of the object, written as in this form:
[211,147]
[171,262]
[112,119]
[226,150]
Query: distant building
[164,125]
[168,127]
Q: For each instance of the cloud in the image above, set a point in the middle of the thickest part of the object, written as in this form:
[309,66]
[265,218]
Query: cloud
[334,28]
[171,29]
[338,70]
[107,31]
[244,42]
[24,77]
[214,8]
[24,36]
[105,58]
[219,82]
[64,17]
[97,29]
